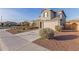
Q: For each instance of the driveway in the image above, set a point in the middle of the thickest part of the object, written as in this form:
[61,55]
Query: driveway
[10,42]
[29,36]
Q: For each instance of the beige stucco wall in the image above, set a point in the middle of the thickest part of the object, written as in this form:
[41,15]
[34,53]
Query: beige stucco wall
[77,26]
[50,24]
[76,23]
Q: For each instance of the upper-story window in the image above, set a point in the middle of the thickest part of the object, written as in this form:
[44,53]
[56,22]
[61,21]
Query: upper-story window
[45,14]
[60,14]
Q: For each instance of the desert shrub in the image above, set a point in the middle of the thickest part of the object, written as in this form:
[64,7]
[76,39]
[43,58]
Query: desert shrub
[24,28]
[33,24]
[58,28]
[26,24]
[18,31]
[46,33]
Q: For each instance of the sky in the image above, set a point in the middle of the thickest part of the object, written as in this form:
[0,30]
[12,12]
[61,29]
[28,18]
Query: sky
[29,14]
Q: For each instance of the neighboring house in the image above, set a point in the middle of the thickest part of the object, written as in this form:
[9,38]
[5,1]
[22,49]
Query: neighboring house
[8,23]
[51,19]
[73,25]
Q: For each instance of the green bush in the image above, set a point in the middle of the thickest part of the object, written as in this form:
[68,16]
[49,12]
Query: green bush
[46,33]
[58,28]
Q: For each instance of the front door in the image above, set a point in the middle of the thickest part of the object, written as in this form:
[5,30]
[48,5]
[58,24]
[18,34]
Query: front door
[40,24]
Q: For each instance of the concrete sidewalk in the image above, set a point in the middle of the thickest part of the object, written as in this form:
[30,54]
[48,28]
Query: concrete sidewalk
[10,42]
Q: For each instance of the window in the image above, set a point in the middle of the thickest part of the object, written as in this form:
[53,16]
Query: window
[60,15]
[45,14]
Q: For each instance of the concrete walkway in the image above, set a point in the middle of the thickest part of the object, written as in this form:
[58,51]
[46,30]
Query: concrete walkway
[29,36]
[10,42]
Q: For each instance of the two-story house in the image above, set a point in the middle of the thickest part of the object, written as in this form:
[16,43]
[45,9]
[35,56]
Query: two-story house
[51,19]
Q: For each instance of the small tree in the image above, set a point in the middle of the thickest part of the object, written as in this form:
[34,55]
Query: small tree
[46,33]
[2,24]
[33,24]
[26,24]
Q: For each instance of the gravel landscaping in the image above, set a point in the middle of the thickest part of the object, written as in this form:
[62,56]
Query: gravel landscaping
[63,41]
[15,31]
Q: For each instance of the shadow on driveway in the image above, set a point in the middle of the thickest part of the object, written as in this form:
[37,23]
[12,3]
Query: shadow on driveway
[66,37]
